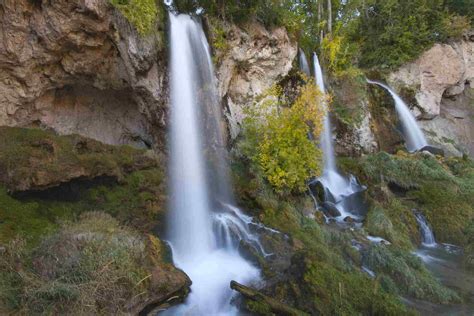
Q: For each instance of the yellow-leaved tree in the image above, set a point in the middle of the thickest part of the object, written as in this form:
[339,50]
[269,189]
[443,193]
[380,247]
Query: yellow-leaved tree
[281,138]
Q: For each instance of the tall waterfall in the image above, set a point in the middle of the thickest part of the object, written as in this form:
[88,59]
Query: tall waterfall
[304,66]
[338,189]
[204,228]
[414,137]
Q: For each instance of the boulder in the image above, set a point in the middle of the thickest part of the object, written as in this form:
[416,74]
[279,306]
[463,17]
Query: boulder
[433,150]
[330,209]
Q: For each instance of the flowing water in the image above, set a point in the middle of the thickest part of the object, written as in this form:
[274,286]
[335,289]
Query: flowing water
[338,189]
[414,137]
[205,229]
[445,261]
[427,236]
[304,66]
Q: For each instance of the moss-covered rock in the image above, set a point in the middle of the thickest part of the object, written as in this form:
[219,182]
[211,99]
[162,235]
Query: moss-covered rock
[92,266]
[33,159]
[136,195]
[442,189]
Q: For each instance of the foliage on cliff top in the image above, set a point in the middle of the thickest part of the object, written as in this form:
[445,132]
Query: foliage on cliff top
[276,137]
[142,14]
[93,266]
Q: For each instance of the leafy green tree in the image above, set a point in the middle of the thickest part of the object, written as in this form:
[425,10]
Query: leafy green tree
[276,137]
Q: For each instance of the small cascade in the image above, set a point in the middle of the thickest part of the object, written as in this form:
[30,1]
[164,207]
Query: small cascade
[339,191]
[204,232]
[304,65]
[427,237]
[414,137]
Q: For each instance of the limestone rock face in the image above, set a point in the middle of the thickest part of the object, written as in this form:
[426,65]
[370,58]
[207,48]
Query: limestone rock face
[257,59]
[442,80]
[77,66]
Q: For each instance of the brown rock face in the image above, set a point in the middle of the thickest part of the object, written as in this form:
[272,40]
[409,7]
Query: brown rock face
[256,60]
[77,66]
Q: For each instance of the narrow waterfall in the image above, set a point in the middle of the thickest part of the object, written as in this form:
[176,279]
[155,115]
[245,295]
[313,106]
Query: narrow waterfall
[338,189]
[204,228]
[412,133]
[427,237]
[304,66]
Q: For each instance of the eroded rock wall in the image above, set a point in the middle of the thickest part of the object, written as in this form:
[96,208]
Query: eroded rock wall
[77,66]
[255,60]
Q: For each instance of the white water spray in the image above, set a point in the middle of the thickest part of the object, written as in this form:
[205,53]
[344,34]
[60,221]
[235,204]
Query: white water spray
[414,137]
[337,187]
[204,232]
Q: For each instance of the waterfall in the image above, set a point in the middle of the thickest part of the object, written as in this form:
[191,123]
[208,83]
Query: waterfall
[427,237]
[414,138]
[204,229]
[304,66]
[339,191]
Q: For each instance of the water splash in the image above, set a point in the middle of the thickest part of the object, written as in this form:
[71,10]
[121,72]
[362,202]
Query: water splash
[338,189]
[414,137]
[204,233]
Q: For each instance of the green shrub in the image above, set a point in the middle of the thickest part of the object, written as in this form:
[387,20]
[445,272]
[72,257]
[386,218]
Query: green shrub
[276,137]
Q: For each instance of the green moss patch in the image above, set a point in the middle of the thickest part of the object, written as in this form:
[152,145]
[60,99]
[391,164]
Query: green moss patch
[33,159]
[142,14]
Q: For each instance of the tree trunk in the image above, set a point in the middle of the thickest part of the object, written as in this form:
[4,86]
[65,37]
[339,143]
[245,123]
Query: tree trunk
[329,17]
[320,14]
[277,307]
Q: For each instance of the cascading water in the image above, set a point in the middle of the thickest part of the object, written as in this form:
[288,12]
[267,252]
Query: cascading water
[338,189]
[427,236]
[304,66]
[204,228]
[414,137]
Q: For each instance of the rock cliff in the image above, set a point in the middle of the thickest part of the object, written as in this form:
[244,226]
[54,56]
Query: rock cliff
[78,66]
[442,82]
[256,59]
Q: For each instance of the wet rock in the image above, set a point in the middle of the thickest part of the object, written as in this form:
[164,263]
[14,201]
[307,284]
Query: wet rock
[330,209]
[349,220]
[433,150]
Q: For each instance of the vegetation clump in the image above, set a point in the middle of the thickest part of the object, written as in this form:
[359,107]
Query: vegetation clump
[403,273]
[142,14]
[276,137]
[92,266]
